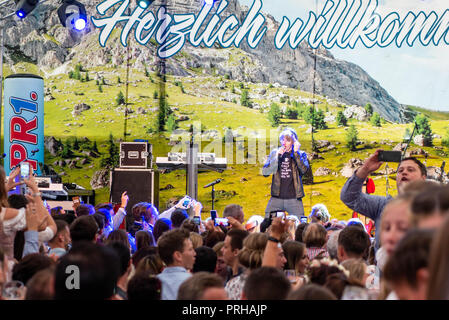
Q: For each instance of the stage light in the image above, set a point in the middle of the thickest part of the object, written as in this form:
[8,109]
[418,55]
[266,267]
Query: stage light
[80,24]
[24,7]
[144,3]
[73,14]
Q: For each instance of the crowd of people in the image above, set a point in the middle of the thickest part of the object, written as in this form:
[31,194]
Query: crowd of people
[47,253]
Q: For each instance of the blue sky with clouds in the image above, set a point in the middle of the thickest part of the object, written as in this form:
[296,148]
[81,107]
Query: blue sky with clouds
[415,75]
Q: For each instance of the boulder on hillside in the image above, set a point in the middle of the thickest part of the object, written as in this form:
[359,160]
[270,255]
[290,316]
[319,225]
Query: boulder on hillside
[314,156]
[100,179]
[322,143]
[421,141]
[322,171]
[52,145]
[349,168]
[356,112]
[79,108]
[400,147]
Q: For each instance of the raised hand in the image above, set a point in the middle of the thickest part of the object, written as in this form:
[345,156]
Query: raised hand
[296,146]
[32,217]
[370,165]
[11,184]
[278,227]
[124,199]
[281,150]
[235,224]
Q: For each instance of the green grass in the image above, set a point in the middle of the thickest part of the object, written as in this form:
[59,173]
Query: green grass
[432,114]
[204,104]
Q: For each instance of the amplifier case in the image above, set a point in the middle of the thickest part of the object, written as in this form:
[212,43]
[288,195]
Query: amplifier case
[142,185]
[135,155]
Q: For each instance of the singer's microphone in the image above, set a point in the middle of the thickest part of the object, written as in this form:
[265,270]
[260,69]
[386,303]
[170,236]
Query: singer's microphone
[4,156]
[212,183]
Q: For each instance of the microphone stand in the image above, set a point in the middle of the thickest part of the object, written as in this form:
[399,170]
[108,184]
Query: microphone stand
[213,196]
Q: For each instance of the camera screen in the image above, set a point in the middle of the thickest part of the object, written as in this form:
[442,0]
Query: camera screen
[221,221]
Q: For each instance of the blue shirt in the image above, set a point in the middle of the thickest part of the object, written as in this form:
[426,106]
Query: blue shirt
[31,243]
[172,278]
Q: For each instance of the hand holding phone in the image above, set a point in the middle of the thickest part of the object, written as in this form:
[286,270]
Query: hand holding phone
[197,220]
[221,221]
[185,202]
[390,156]
[213,214]
[24,171]
[76,202]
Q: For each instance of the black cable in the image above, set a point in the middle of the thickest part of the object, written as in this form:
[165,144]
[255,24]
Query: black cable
[127,84]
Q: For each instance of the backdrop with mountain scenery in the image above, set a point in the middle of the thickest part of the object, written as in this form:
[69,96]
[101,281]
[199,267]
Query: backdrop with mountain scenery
[357,100]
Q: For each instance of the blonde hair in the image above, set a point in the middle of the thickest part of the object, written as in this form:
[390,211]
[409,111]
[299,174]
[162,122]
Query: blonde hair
[197,240]
[357,269]
[403,198]
[251,254]
[217,248]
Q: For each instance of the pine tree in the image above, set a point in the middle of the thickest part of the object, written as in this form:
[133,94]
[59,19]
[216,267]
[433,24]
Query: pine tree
[77,75]
[76,145]
[274,115]
[341,119]
[315,118]
[291,113]
[423,127]
[171,123]
[113,157]
[103,81]
[118,80]
[445,140]
[161,116]
[87,76]
[120,99]
[66,151]
[369,109]
[94,147]
[375,120]
[100,88]
[244,99]
[308,114]
[352,138]
[155,94]
[318,120]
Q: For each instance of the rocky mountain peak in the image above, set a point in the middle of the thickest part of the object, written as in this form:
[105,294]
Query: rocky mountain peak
[41,39]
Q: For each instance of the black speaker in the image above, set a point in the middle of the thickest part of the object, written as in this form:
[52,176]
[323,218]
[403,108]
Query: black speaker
[142,185]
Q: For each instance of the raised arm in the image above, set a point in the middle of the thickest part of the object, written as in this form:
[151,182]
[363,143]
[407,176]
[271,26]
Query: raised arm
[31,234]
[353,197]
[271,165]
[270,255]
[117,219]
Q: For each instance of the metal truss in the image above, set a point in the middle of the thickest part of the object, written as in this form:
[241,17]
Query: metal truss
[7,9]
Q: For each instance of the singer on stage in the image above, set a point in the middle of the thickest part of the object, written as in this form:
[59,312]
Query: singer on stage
[287,165]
